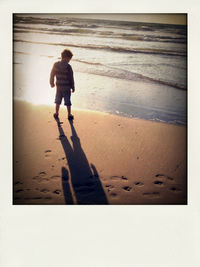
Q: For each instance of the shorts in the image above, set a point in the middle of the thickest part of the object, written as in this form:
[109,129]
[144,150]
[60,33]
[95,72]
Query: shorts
[63,92]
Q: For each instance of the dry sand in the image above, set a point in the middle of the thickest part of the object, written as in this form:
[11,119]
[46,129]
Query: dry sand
[97,159]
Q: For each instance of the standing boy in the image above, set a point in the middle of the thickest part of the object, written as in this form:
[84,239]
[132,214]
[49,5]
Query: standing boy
[64,82]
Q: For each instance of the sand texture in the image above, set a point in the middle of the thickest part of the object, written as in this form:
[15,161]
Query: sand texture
[97,159]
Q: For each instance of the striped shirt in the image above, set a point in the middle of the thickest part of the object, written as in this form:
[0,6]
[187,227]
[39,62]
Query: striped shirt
[64,74]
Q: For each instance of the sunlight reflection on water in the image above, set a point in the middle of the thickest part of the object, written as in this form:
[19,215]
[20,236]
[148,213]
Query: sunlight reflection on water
[32,67]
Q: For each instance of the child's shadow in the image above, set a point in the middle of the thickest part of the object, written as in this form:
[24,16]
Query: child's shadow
[84,179]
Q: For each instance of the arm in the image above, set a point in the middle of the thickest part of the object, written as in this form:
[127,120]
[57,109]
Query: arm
[52,75]
[71,77]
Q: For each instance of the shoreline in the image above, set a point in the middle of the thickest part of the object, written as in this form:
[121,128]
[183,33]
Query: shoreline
[98,159]
[118,114]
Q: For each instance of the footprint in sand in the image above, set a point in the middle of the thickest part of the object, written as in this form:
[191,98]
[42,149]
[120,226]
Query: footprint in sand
[158,183]
[175,189]
[127,188]
[110,190]
[164,177]
[57,191]
[109,187]
[47,153]
[139,184]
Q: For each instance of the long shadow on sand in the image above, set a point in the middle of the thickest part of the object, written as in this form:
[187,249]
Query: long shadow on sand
[84,178]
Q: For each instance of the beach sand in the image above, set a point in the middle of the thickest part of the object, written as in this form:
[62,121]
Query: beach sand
[97,159]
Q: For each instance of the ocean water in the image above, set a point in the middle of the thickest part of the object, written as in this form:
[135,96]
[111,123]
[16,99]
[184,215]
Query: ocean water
[131,69]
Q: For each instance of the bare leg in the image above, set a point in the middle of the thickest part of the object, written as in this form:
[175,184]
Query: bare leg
[57,108]
[70,116]
[69,110]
